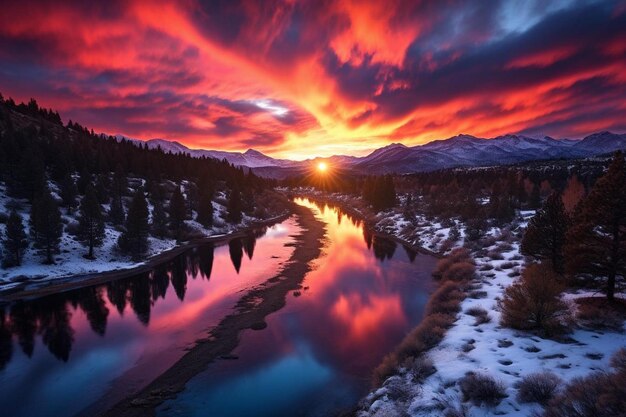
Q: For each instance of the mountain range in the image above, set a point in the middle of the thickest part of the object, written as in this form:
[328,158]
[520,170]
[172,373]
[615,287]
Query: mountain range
[457,151]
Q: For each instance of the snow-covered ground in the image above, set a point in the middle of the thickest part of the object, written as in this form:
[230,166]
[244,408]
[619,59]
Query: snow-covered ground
[505,354]
[71,261]
[486,348]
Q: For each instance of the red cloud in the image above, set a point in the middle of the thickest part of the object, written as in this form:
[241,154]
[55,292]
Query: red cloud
[351,75]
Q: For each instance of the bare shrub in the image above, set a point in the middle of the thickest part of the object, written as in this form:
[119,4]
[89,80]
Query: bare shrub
[481,315]
[477,294]
[533,302]
[538,388]
[599,313]
[455,256]
[446,245]
[385,369]
[446,300]
[476,311]
[460,271]
[422,368]
[486,267]
[488,241]
[468,347]
[495,255]
[429,332]
[482,389]
[600,394]
[506,236]
[514,273]
[508,265]
[398,390]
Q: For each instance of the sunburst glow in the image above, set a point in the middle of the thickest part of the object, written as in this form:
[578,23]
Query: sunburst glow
[299,79]
[322,167]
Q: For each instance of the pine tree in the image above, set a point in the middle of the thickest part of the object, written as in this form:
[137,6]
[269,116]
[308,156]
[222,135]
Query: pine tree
[545,235]
[534,201]
[596,242]
[90,221]
[31,174]
[159,220]
[247,201]
[388,192]
[102,188]
[116,211]
[69,193]
[15,240]
[45,224]
[84,179]
[177,212]
[205,207]
[120,182]
[134,240]
[234,206]
[191,202]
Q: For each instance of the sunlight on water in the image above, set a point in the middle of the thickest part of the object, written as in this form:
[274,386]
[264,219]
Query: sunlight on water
[362,296]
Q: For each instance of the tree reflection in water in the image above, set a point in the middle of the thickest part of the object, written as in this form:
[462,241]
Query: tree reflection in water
[235,248]
[383,248]
[50,317]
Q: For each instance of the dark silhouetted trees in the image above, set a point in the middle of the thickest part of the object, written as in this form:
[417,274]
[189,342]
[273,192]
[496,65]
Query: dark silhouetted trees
[205,207]
[45,224]
[159,224]
[90,221]
[235,249]
[177,213]
[14,240]
[545,235]
[380,192]
[134,240]
[69,192]
[233,210]
[596,242]
[117,215]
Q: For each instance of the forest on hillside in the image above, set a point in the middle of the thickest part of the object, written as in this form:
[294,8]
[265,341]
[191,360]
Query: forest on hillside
[60,179]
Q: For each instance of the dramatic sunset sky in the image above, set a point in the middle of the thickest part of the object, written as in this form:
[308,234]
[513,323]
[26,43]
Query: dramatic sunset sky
[303,78]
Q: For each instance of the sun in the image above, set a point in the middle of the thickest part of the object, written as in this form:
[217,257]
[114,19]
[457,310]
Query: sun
[322,167]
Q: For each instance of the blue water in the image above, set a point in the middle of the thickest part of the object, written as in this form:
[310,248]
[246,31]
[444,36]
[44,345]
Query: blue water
[316,355]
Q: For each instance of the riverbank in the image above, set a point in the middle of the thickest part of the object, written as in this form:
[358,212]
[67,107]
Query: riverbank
[41,286]
[249,313]
[414,239]
[476,343]
[422,377]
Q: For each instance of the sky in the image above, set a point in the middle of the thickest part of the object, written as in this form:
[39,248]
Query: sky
[298,79]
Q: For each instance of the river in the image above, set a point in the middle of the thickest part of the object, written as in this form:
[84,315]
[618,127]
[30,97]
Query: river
[82,350]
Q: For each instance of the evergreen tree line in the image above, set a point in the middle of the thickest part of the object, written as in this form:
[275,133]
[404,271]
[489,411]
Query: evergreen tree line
[88,172]
[481,197]
[590,241]
[379,192]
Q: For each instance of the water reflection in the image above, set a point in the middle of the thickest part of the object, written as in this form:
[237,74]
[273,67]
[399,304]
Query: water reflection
[63,352]
[317,353]
[235,247]
[138,325]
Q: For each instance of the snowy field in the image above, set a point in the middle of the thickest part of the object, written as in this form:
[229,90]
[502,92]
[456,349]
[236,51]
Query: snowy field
[489,349]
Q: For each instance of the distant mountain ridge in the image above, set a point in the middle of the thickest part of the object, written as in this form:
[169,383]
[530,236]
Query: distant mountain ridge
[457,151]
